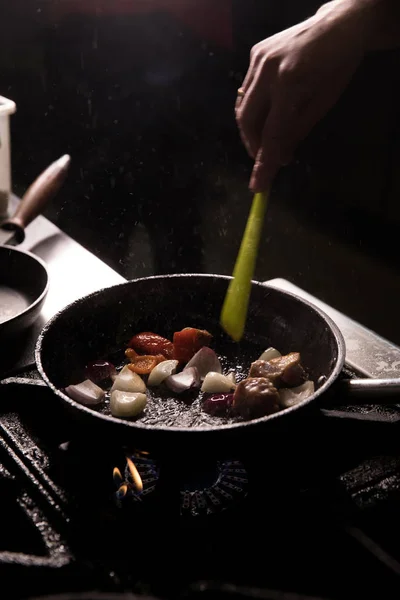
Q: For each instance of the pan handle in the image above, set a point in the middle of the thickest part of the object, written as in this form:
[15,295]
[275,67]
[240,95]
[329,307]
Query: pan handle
[39,193]
[380,391]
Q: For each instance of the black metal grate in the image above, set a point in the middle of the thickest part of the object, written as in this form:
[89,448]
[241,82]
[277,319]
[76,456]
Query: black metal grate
[325,517]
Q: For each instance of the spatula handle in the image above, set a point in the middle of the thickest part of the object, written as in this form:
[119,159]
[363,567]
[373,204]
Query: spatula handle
[234,310]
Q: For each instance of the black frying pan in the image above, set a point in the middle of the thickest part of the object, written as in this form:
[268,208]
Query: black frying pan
[100,325]
[23,276]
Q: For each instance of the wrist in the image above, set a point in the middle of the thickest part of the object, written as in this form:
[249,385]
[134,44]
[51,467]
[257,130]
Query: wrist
[356,18]
[375,24]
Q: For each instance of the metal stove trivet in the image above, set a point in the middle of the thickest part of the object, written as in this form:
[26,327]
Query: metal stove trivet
[228,485]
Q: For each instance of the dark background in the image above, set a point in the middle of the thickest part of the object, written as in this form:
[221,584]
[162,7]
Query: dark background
[141,94]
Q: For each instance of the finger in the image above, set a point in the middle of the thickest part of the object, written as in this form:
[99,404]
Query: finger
[286,125]
[246,81]
[252,111]
[250,71]
[243,88]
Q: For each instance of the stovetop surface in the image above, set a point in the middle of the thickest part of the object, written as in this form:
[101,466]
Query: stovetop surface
[309,514]
[318,517]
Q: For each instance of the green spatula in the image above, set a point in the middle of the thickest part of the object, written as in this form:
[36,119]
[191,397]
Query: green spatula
[234,310]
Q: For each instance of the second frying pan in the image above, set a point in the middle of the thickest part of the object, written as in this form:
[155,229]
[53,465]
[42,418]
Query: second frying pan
[23,277]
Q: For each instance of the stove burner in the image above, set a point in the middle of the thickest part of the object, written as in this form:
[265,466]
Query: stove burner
[149,473]
[201,494]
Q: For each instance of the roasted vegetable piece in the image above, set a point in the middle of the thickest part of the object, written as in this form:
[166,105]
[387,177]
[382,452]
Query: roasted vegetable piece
[144,364]
[218,404]
[131,353]
[270,353]
[255,397]
[134,356]
[205,360]
[291,396]
[127,404]
[100,370]
[183,381]
[151,343]
[127,381]
[216,383]
[188,341]
[161,371]
[86,392]
[284,371]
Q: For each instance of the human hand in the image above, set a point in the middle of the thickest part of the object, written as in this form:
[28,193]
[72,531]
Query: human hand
[294,78]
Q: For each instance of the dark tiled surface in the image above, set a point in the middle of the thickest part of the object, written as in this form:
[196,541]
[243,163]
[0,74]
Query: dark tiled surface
[143,101]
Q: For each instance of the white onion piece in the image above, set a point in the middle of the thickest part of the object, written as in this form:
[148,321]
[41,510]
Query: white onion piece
[86,392]
[183,381]
[232,377]
[161,371]
[128,381]
[127,404]
[291,396]
[269,354]
[216,383]
[205,360]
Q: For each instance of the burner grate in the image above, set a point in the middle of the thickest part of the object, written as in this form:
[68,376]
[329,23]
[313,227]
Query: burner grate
[201,493]
[322,506]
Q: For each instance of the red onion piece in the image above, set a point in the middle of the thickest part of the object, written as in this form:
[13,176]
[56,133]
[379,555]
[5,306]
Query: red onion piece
[86,392]
[99,370]
[183,381]
[218,404]
[205,360]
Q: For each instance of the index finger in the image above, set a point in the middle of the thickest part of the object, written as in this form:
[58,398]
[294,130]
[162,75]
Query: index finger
[284,127]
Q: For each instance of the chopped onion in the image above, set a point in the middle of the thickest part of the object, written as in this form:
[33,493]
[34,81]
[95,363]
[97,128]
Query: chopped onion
[183,381]
[205,360]
[161,371]
[269,354]
[216,383]
[291,396]
[232,377]
[127,404]
[128,381]
[86,392]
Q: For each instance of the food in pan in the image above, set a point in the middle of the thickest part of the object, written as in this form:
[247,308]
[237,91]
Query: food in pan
[188,365]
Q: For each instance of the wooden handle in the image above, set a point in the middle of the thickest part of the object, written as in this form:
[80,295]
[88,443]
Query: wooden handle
[37,196]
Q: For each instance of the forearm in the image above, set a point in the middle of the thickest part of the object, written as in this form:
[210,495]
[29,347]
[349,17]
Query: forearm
[377,22]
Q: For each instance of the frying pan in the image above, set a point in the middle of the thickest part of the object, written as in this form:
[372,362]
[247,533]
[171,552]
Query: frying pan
[99,326]
[23,277]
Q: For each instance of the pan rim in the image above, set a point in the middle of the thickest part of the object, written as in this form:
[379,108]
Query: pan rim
[137,425]
[44,292]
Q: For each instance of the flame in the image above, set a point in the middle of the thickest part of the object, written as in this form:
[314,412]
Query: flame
[117,476]
[140,453]
[121,493]
[137,480]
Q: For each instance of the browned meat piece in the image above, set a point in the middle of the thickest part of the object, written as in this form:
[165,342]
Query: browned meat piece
[255,397]
[262,368]
[285,371]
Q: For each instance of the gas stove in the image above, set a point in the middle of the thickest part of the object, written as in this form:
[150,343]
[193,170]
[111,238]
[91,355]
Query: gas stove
[317,523]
